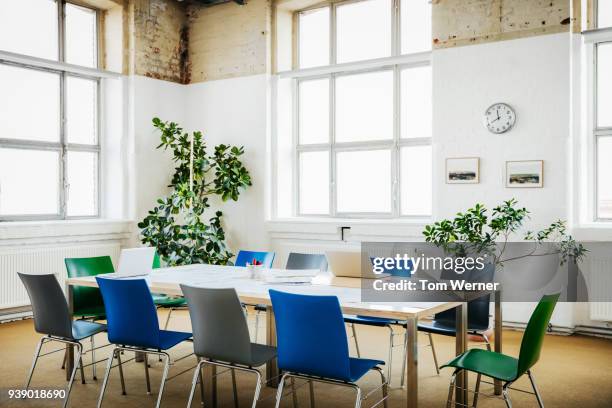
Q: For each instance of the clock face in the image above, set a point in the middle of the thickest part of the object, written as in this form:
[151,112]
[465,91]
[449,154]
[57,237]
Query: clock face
[499,118]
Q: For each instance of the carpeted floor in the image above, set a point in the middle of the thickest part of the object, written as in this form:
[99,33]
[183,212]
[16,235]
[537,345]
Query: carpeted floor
[574,371]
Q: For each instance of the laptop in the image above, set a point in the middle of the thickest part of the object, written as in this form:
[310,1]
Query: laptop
[348,265]
[136,262]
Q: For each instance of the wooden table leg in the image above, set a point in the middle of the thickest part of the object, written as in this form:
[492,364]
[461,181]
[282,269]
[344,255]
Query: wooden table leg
[69,347]
[412,365]
[461,394]
[209,378]
[498,337]
[272,366]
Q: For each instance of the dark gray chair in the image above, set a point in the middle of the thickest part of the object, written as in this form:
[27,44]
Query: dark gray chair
[221,336]
[295,260]
[52,318]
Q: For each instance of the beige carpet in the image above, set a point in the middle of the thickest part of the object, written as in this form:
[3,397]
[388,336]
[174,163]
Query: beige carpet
[574,371]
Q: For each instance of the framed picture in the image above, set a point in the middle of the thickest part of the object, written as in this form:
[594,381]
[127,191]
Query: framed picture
[525,174]
[463,170]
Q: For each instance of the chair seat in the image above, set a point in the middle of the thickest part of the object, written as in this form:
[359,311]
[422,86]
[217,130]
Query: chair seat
[447,328]
[489,363]
[168,301]
[360,366]
[169,339]
[261,354]
[82,329]
[371,321]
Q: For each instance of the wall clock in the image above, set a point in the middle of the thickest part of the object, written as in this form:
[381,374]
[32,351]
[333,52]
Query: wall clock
[499,118]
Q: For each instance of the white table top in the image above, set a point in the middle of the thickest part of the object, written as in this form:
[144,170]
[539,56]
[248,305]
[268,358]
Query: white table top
[348,290]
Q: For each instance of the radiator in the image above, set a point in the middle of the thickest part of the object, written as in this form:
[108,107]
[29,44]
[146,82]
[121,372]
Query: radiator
[600,280]
[42,260]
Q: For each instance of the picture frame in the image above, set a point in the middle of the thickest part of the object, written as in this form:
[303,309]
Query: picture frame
[525,174]
[463,170]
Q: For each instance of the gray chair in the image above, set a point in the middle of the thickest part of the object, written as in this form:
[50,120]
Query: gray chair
[221,336]
[295,260]
[52,318]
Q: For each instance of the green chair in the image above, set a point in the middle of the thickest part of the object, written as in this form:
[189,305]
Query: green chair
[505,368]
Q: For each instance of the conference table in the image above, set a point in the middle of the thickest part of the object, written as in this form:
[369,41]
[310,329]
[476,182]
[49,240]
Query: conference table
[348,291]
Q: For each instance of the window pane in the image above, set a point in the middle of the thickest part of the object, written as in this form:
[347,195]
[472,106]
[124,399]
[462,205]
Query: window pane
[604,85]
[604,13]
[364,107]
[29,104]
[416,102]
[81,36]
[314,111]
[29,182]
[29,27]
[416,26]
[314,38]
[415,180]
[604,177]
[81,110]
[363,30]
[314,183]
[82,178]
[363,181]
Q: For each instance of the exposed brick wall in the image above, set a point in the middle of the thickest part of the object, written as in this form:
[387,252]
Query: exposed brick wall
[160,39]
[229,40]
[464,22]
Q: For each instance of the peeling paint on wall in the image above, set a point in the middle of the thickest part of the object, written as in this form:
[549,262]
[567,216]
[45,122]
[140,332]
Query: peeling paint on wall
[464,22]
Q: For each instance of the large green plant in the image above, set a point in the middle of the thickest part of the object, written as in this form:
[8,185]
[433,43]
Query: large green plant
[178,226]
[476,232]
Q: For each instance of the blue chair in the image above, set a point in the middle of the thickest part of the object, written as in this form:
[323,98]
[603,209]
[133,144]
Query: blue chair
[132,325]
[266,259]
[317,350]
[246,257]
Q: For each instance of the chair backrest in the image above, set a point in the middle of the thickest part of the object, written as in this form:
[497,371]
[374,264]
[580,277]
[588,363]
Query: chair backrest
[478,309]
[85,298]
[306,261]
[533,338]
[220,330]
[244,257]
[49,307]
[130,312]
[311,335]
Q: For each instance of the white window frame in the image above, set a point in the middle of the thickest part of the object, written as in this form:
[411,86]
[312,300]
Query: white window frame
[64,70]
[396,63]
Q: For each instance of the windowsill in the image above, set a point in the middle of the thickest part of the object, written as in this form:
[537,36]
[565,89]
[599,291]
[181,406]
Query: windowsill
[63,230]
[391,229]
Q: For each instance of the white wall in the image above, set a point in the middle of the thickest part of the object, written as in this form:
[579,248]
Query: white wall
[234,111]
[532,75]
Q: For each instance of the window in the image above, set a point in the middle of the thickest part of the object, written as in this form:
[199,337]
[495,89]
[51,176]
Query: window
[604,13]
[49,144]
[362,115]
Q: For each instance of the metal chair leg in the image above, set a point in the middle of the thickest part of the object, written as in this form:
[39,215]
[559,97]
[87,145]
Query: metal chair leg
[312,395]
[202,386]
[293,393]
[433,352]
[82,370]
[146,367]
[168,318]
[163,380]
[109,365]
[234,388]
[355,338]
[34,361]
[535,389]
[358,397]
[476,391]
[385,387]
[390,358]
[449,399]
[64,360]
[404,358]
[486,339]
[506,395]
[194,382]
[257,390]
[121,374]
[74,370]
[279,392]
[93,358]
